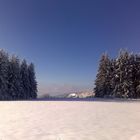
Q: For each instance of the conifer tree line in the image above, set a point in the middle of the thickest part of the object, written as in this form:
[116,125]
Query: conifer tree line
[118,77]
[17,78]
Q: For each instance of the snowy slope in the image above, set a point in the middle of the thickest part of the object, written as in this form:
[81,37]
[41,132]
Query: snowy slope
[40,120]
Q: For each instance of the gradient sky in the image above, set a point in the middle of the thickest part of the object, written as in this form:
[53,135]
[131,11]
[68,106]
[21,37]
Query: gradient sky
[65,38]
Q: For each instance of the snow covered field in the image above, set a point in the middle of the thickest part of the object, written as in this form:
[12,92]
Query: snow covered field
[43,120]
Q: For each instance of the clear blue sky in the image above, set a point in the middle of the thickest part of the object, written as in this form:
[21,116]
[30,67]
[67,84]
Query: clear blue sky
[65,38]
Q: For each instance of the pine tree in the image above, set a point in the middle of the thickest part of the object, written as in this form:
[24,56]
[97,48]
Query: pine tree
[112,77]
[32,81]
[137,76]
[102,83]
[14,78]
[3,75]
[131,71]
[25,93]
[121,89]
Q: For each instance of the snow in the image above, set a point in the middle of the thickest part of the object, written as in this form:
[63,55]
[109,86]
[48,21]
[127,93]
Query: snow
[43,120]
[72,95]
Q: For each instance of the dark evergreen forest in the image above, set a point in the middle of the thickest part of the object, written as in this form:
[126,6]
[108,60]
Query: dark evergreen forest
[17,78]
[118,77]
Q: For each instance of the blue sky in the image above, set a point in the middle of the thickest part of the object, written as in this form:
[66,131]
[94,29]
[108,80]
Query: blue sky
[65,38]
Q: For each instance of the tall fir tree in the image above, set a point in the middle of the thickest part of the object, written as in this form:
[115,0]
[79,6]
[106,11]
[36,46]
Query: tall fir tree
[32,81]
[121,88]
[131,74]
[137,76]
[3,75]
[25,93]
[102,83]
[14,79]
[112,77]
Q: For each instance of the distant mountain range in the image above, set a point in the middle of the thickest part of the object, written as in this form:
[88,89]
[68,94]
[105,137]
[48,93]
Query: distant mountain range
[82,94]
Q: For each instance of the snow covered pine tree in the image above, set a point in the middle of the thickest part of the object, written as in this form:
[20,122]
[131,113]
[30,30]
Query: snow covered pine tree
[102,83]
[119,77]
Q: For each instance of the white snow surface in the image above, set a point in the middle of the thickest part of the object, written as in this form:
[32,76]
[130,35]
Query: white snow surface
[61,120]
